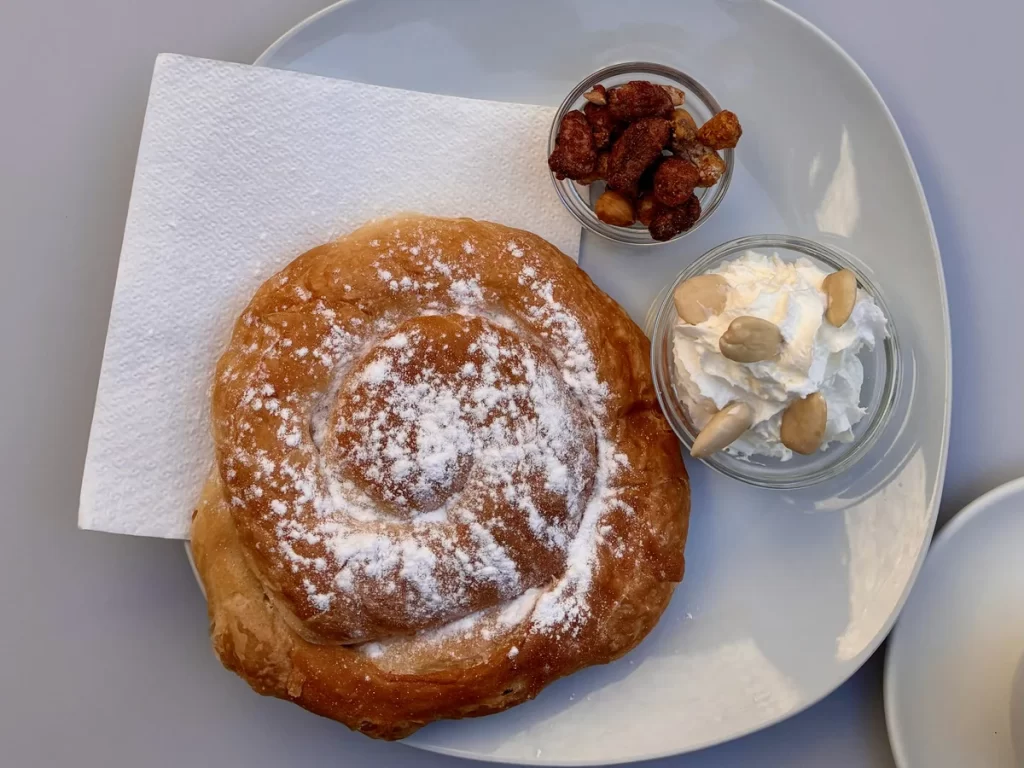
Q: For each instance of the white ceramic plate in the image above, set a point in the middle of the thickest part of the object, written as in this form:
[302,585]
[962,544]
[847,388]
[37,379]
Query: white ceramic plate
[954,674]
[786,594]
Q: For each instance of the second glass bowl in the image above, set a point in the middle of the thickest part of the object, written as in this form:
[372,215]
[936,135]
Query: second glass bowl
[882,371]
[580,199]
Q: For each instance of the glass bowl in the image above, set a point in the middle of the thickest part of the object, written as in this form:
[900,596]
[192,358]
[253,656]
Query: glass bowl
[579,198]
[882,371]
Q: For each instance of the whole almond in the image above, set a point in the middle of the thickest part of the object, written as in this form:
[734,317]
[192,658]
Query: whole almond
[677,95]
[803,424]
[841,289]
[750,340]
[723,429]
[684,127]
[708,162]
[614,208]
[596,96]
[700,297]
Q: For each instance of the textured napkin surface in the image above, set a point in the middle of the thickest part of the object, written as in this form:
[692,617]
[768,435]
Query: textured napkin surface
[240,170]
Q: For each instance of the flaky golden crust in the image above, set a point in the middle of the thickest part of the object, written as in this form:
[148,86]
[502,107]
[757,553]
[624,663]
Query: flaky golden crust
[266,624]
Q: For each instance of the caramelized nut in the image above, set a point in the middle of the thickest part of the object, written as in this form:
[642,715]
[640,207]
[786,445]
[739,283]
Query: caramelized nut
[600,170]
[637,99]
[677,95]
[637,148]
[684,127]
[669,222]
[709,164]
[574,154]
[597,95]
[602,124]
[674,181]
[615,209]
[645,208]
[803,424]
[722,131]
[636,122]
[711,168]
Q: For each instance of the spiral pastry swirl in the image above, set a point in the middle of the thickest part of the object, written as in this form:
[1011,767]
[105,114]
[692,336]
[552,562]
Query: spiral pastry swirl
[439,457]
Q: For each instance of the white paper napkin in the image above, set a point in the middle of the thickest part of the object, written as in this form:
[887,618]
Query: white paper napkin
[241,169]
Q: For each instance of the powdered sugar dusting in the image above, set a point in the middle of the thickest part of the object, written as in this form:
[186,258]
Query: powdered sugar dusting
[566,605]
[496,428]
[490,623]
[447,461]
[466,292]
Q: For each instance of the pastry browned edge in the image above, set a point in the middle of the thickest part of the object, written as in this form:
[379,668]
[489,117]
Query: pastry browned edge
[374,575]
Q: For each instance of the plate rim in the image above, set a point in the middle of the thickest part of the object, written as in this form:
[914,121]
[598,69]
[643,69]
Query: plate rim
[942,541]
[936,490]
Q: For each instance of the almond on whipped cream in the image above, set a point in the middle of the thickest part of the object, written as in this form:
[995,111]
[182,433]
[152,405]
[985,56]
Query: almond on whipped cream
[815,355]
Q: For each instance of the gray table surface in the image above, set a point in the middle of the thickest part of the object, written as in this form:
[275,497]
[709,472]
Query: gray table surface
[105,658]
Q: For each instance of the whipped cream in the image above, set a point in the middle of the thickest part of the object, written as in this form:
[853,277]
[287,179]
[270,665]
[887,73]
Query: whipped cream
[816,356]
